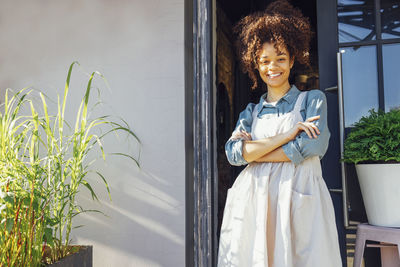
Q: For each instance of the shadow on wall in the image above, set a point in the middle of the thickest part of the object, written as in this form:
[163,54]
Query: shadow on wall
[133,226]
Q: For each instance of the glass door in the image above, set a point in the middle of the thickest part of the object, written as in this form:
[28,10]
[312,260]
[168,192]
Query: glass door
[367,33]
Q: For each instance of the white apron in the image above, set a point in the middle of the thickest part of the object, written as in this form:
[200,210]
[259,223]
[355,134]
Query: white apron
[277,214]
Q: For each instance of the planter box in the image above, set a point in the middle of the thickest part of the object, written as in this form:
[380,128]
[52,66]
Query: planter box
[380,189]
[83,258]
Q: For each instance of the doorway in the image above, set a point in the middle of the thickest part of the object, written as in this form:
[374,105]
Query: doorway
[206,126]
[237,89]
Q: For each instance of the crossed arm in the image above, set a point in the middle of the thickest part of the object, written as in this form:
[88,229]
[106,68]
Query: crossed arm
[270,149]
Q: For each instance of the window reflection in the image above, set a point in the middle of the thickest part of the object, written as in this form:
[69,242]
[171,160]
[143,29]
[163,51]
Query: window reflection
[356,20]
[391,75]
[360,82]
[390,18]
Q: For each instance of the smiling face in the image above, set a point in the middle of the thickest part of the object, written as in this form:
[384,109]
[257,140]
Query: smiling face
[274,66]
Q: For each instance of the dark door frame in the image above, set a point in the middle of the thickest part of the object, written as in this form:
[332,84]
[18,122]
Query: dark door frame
[200,182]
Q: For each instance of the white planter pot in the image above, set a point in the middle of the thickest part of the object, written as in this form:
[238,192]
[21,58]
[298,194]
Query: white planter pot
[380,189]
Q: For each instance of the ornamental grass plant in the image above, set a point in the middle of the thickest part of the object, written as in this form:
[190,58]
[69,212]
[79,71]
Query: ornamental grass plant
[22,203]
[374,139]
[43,166]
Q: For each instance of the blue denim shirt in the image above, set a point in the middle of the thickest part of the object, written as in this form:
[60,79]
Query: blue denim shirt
[302,147]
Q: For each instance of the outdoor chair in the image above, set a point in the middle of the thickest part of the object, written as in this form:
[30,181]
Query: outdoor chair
[389,238]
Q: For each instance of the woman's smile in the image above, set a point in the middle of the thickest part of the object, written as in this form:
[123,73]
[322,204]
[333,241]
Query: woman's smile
[274,75]
[274,66]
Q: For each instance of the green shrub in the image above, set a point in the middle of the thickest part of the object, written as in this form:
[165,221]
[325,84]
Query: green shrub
[374,139]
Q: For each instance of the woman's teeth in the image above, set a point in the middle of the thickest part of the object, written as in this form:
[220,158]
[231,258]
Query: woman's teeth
[274,75]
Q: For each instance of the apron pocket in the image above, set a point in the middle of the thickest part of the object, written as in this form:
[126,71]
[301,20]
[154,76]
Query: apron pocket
[302,219]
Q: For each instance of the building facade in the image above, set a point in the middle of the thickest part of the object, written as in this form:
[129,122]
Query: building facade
[174,77]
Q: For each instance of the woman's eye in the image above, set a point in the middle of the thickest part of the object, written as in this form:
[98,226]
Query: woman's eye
[281,60]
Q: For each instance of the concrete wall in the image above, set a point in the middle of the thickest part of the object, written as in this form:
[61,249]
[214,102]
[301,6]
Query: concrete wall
[138,46]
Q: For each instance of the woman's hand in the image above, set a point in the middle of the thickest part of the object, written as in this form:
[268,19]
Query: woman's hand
[306,126]
[242,134]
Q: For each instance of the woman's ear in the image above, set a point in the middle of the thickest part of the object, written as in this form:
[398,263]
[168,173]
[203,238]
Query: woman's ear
[291,62]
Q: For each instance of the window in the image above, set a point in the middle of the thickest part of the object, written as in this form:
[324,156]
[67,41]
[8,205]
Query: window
[369,33]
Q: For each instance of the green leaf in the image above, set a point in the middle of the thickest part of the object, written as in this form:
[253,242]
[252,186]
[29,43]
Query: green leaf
[8,199]
[106,184]
[9,224]
[88,186]
[48,235]
[128,156]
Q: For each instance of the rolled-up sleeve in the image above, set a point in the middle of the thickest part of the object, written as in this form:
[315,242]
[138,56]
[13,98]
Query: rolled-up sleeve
[303,147]
[233,147]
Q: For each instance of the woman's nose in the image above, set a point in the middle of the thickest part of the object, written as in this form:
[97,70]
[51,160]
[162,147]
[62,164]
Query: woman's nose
[272,64]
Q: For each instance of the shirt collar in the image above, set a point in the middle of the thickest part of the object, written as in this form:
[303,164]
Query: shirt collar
[289,97]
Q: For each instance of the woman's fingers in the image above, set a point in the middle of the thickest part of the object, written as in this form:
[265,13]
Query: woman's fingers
[310,128]
[313,131]
[241,134]
[306,129]
[237,135]
[248,135]
[313,118]
[315,128]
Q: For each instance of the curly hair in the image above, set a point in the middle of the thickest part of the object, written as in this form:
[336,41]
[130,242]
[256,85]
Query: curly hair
[280,24]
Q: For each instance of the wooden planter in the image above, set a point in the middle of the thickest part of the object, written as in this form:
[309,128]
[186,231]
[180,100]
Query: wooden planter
[83,258]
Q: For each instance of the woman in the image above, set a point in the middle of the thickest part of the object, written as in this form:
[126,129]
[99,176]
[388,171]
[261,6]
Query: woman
[279,211]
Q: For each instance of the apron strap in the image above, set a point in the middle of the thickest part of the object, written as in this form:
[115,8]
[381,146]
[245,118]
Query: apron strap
[299,101]
[255,111]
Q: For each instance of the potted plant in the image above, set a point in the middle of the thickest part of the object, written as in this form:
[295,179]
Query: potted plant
[373,145]
[43,166]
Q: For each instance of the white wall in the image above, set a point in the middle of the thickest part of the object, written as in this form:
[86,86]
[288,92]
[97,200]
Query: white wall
[138,46]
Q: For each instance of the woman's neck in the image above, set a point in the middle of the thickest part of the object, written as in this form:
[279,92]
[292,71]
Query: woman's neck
[274,94]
